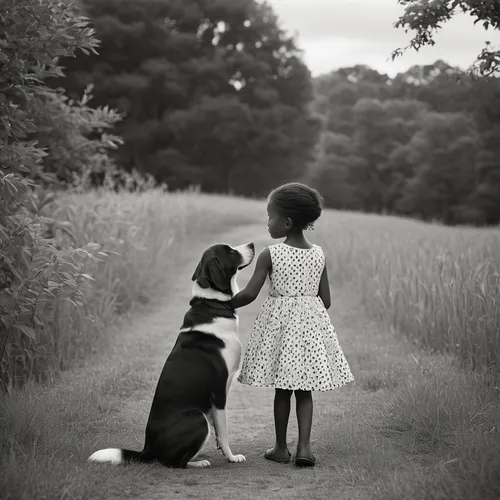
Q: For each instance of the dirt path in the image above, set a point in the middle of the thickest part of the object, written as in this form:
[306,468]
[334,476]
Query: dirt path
[352,447]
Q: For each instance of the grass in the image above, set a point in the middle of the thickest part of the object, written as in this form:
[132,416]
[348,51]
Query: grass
[143,234]
[46,446]
[414,428]
[440,287]
[453,416]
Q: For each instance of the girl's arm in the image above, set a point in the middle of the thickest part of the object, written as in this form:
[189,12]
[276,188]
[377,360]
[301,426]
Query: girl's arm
[250,292]
[324,289]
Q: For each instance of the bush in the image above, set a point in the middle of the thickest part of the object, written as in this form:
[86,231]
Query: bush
[37,279]
[74,135]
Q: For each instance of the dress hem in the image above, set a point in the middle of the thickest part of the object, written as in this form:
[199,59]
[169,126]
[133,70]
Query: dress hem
[272,386]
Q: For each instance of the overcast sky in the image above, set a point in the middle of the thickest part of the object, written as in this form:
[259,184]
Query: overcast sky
[339,33]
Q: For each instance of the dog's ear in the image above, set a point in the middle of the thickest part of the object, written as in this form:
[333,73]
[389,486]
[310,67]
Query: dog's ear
[199,275]
[217,274]
[210,274]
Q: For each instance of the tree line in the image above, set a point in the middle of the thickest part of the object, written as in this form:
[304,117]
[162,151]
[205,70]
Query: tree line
[422,144]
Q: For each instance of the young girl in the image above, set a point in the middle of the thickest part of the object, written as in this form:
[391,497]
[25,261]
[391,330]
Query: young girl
[293,346]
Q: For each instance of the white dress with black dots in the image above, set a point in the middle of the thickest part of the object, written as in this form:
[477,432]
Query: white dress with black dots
[293,344]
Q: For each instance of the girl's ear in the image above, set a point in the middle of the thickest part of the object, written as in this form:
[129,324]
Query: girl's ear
[288,223]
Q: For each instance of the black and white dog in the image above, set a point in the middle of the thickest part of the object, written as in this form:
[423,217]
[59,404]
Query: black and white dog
[195,380]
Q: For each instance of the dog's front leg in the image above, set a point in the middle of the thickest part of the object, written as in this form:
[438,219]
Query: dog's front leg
[220,424]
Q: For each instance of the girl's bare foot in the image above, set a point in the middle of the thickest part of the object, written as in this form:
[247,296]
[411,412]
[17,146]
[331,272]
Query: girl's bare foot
[279,455]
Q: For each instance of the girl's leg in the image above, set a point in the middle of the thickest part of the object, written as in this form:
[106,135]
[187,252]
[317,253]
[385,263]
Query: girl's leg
[281,415]
[304,419]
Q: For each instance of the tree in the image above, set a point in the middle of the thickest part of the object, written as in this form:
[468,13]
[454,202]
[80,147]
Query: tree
[485,198]
[422,143]
[479,98]
[213,91]
[380,128]
[332,170]
[443,154]
[426,17]
[340,90]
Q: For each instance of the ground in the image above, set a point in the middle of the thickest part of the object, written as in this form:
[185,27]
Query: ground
[354,447]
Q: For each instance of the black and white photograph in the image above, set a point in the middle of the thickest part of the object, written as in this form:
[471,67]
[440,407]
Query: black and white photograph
[249,249]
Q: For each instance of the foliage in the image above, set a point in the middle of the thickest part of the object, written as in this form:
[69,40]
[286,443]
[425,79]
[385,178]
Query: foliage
[37,278]
[421,144]
[214,93]
[426,17]
[73,135]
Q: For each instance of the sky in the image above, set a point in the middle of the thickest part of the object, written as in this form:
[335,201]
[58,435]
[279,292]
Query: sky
[340,33]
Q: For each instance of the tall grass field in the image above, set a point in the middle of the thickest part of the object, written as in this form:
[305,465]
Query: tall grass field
[437,286]
[440,287]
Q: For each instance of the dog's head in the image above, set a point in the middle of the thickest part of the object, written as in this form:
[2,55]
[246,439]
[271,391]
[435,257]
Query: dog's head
[219,264]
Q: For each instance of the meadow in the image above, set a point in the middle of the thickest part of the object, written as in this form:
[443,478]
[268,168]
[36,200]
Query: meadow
[437,286]
[440,288]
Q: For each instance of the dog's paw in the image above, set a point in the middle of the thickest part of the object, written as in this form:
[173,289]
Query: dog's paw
[199,464]
[236,458]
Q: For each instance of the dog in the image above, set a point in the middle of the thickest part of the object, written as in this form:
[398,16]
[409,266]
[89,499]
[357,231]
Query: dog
[192,390]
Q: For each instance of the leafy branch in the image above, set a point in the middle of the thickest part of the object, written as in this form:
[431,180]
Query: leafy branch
[426,17]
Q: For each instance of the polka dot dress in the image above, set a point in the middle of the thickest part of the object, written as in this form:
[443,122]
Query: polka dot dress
[293,344]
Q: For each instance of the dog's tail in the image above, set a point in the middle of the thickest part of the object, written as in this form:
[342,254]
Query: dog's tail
[117,456]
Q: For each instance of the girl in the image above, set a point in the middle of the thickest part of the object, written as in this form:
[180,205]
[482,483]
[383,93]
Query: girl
[293,346]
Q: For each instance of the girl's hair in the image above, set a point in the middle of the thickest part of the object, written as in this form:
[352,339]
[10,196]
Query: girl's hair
[299,202]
